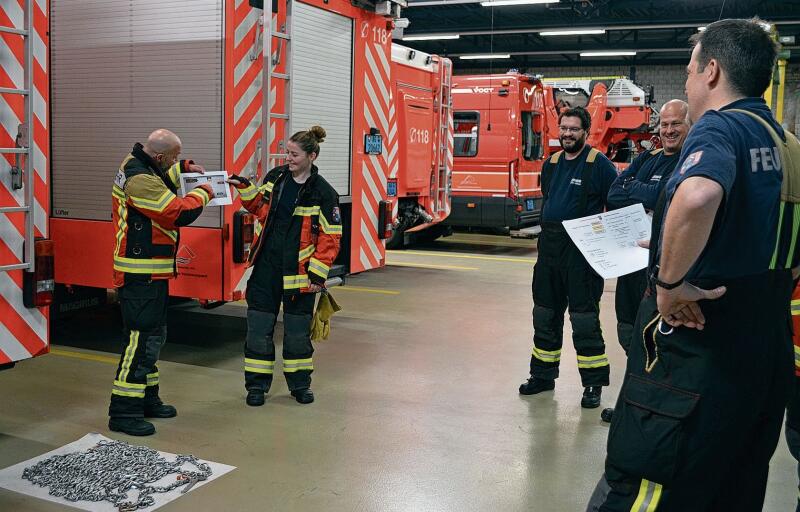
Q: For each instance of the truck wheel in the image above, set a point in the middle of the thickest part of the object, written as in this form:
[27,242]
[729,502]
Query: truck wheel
[397,240]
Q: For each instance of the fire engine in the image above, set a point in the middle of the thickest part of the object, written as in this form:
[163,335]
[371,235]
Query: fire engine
[499,130]
[506,125]
[26,255]
[117,74]
[420,144]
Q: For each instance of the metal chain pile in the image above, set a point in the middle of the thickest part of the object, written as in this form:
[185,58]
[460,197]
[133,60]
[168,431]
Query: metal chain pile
[109,470]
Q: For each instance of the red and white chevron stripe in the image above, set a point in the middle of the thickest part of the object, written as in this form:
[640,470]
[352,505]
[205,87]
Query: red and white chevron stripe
[23,331]
[377,113]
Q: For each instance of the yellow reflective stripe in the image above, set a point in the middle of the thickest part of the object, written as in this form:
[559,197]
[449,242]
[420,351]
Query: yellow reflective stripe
[295,282]
[122,224]
[158,205]
[648,497]
[118,192]
[249,193]
[306,211]
[174,174]
[327,227]
[259,228]
[202,194]
[130,350]
[318,268]
[267,187]
[796,356]
[152,379]
[796,307]
[305,253]
[143,266]
[546,356]
[172,235]
[592,361]
[296,365]
[592,156]
[258,365]
[128,389]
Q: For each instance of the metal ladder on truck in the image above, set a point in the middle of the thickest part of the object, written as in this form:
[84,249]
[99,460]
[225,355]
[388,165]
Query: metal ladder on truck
[442,185]
[22,174]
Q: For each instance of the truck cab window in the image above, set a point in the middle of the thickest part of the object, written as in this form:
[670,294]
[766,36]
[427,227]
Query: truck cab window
[532,148]
[466,133]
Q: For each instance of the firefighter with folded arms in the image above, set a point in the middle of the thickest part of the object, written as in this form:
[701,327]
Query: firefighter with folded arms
[710,372]
[642,182]
[300,228]
[146,215]
[575,183]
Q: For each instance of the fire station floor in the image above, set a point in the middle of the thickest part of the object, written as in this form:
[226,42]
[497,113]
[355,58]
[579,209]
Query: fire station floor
[417,406]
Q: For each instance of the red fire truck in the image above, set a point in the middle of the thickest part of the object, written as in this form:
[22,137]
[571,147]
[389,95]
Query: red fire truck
[419,144]
[500,129]
[198,69]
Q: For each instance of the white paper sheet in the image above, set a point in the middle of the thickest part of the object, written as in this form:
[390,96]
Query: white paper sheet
[608,240]
[222,190]
[11,478]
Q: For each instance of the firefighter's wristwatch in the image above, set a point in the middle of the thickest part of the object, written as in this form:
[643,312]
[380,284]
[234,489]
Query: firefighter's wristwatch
[667,286]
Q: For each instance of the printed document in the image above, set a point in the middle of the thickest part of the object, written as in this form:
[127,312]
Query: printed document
[608,240]
[222,190]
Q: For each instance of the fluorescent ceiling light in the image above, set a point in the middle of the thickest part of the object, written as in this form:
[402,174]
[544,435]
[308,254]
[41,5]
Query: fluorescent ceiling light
[576,32]
[431,37]
[498,3]
[764,25]
[486,56]
[607,54]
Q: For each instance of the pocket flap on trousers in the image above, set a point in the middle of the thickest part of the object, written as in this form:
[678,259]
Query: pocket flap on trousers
[659,398]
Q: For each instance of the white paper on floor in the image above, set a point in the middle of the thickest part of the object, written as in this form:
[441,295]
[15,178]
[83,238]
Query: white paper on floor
[11,478]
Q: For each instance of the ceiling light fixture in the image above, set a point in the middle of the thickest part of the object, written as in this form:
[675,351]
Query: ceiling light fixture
[486,56]
[576,32]
[430,37]
[499,3]
[607,54]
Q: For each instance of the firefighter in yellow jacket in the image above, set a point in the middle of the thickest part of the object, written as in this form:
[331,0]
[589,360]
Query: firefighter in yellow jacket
[300,228]
[147,214]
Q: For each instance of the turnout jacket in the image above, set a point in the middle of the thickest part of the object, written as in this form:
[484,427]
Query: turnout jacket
[312,239]
[147,214]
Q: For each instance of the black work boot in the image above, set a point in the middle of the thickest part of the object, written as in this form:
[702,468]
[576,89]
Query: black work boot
[131,426]
[255,397]
[160,411]
[534,386]
[303,396]
[607,414]
[591,397]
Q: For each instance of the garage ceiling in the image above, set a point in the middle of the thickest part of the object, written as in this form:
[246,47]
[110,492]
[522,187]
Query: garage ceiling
[656,30]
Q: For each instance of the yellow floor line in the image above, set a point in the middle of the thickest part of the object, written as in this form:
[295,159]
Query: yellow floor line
[82,355]
[348,288]
[465,256]
[425,265]
[466,241]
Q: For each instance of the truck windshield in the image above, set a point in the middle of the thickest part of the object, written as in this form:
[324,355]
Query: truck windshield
[466,133]
[531,136]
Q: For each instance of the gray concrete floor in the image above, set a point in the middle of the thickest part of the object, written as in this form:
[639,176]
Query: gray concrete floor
[417,406]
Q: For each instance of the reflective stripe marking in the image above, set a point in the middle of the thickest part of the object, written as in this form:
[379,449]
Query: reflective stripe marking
[249,193]
[318,268]
[296,365]
[130,350]
[306,253]
[122,224]
[648,498]
[327,227]
[796,356]
[592,361]
[306,211]
[295,282]
[172,235]
[128,389]
[267,187]
[547,356]
[152,379]
[796,307]
[258,366]
[158,205]
[202,193]
[143,266]
[174,173]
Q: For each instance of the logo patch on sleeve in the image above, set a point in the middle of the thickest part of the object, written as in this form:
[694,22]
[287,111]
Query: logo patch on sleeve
[337,216]
[691,161]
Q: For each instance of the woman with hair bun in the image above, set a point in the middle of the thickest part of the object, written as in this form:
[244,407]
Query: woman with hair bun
[298,213]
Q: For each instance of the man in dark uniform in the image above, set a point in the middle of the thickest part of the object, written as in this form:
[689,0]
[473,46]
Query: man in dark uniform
[575,184]
[643,182]
[710,373]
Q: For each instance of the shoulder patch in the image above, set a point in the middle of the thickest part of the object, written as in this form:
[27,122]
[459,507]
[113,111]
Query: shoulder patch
[337,215]
[690,161]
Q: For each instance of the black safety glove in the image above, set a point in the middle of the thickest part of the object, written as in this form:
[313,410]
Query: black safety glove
[239,181]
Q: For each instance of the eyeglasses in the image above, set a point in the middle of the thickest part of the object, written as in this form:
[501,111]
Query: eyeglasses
[569,129]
